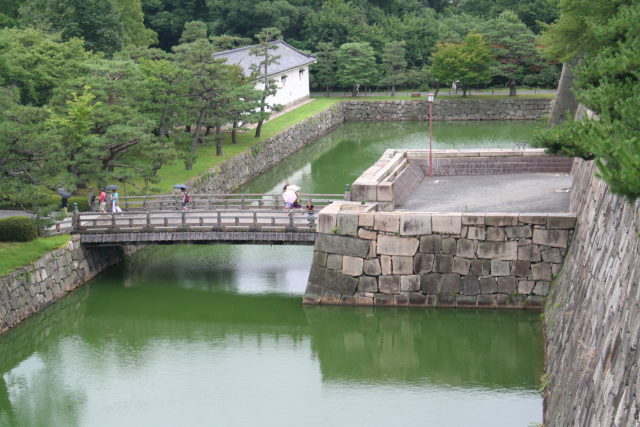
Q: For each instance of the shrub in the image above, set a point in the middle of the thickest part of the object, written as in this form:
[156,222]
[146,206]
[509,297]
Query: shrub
[18,229]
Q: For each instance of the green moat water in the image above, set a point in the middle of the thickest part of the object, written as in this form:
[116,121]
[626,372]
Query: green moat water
[217,335]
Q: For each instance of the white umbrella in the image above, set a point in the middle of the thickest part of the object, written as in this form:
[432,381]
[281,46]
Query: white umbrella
[289,196]
[293,188]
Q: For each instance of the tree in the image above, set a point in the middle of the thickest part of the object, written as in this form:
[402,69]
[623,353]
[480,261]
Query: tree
[324,69]
[167,18]
[356,65]
[194,30]
[337,21]
[469,62]
[534,13]
[606,82]
[261,69]
[36,63]
[97,22]
[513,45]
[393,59]
[134,32]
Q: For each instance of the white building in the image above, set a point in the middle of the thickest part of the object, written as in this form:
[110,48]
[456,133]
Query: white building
[290,71]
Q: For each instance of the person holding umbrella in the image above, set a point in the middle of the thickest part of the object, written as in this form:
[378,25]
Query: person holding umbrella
[64,199]
[184,196]
[102,199]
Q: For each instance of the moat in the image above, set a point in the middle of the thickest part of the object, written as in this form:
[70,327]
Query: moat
[191,335]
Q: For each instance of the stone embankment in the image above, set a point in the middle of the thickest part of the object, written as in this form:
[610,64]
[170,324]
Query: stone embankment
[592,314]
[33,287]
[435,260]
[447,109]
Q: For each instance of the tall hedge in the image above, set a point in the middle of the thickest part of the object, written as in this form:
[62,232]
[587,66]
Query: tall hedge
[18,229]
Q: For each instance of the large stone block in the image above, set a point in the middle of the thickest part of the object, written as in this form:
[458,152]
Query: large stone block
[443,263]
[461,266]
[430,283]
[334,262]
[410,283]
[383,299]
[392,245]
[385,265]
[518,231]
[555,238]
[450,283]
[415,224]
[529,253]
[366,219]
[446,223]
[470,219]
[363,233]
[347,223]
[507,285]
[476,233]
[372,267]
[520,268]
[525,287]
[532,219]
[541,288]
[343,245]
[486,301]
[326,223]
[466,301]
[402,264]
[470,285]
[386,222]
[449,246]
[466,248]
[551,255]
[320,259]
[367,284]
[500,268]
[431,244]
[561,222]
[352,266]
[313,294]
[480,267]
[488,285]
[501,220]
[541,271]
[417,299]
[423,263]
[495,234]
[389,284]
[498,250]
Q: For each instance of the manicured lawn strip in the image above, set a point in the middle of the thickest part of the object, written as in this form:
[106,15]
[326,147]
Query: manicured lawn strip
[207,159]
[424,98]
[14,255]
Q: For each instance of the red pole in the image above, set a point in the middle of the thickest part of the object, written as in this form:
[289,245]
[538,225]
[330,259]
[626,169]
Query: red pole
[430,139]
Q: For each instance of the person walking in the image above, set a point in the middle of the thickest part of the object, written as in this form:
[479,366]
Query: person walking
[185,199]
[102,199]
[115,202]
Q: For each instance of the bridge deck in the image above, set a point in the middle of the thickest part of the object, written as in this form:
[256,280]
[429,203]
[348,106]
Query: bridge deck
[193,226]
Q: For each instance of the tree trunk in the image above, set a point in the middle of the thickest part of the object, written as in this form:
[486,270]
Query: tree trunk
[393,89]
[564,103]
[435,95]
[188,164]
[219,141]
[464,91]
[234,132]
[512,87]
[259,127]
[208,131]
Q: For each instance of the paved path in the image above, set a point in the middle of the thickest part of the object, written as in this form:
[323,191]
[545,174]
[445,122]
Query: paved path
[539,192]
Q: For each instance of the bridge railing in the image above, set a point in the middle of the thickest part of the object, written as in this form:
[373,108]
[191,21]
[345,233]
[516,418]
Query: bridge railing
[221,201]
[249,219]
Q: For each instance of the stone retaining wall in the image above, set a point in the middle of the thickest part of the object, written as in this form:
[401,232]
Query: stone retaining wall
[436,260]
[238,170]
[592,314]
[35,286]
[447,109]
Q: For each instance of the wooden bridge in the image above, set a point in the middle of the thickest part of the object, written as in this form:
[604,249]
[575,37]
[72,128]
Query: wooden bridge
[213,218]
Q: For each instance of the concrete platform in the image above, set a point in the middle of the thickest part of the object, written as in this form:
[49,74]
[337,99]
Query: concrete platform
[535,192]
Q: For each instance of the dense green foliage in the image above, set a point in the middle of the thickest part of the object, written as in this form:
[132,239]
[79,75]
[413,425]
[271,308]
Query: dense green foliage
[607,81]
[18,229]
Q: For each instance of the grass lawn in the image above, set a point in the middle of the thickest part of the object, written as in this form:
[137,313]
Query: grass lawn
[175,173]
[424,98]
[14,255]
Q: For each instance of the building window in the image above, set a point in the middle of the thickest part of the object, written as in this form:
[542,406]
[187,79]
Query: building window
[301,73]
[283,80]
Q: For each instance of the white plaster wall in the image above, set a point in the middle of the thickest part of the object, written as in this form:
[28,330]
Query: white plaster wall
[294,88]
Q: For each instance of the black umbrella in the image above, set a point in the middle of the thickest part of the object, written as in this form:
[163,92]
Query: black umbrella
[111,187]
[62,192]
[181,186]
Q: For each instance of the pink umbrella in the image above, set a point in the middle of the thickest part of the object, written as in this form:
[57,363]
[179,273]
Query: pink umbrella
[289,196]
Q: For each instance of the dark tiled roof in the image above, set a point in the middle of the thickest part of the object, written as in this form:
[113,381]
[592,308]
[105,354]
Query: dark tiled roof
[290,57]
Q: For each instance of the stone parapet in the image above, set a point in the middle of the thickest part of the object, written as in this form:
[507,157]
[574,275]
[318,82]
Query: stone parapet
[33,287]
[447,109]
[437,259]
